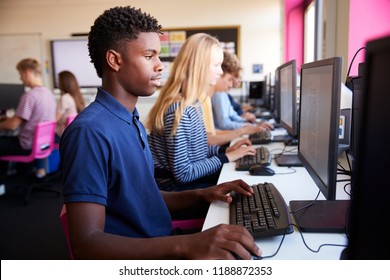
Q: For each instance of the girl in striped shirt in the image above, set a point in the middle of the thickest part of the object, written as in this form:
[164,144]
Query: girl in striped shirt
[177,136]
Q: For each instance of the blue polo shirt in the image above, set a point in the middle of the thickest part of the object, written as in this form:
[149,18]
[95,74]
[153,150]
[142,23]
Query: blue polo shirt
[106,159]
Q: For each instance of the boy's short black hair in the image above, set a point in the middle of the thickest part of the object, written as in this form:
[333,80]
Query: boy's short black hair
[115,26]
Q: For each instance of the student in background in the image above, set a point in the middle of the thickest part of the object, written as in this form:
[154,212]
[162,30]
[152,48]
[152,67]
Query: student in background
[35,106]
[70,102]
[225,117]
[242,110]
[231,68]
[178,140]
[221,137]
[114,207]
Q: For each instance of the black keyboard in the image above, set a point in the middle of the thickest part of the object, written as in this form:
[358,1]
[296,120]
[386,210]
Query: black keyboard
[265,213]
[259,138]
[262,157]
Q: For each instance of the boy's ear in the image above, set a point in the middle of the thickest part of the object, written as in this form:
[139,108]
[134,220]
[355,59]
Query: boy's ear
[113,59]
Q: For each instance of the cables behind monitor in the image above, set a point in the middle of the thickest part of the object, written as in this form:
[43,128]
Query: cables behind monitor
[304,242]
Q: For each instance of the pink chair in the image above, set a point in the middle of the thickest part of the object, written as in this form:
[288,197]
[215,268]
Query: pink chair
[70,118]
[192,225]
[43,145]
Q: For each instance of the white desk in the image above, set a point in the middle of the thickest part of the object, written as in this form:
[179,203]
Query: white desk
[295,186]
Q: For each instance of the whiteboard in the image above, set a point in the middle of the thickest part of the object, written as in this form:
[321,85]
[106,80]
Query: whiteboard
[72,55]
[15,47]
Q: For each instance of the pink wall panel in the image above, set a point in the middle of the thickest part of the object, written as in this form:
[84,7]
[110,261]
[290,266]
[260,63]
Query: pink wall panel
[367,20]
[294,29]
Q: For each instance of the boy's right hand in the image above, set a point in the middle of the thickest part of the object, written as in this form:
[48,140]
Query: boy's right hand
[220,242]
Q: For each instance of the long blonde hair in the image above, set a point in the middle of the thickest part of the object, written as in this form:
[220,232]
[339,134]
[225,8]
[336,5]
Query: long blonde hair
[188,82]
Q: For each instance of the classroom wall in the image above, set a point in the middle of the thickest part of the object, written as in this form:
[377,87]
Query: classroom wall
[368,20]
[260,22]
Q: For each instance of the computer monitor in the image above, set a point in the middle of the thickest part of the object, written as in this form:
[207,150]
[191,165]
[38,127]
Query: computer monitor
[256,93]
[288,98]
[10,95]
[267,91]
[318,145]
[368,237]
[355,85]
[275,109]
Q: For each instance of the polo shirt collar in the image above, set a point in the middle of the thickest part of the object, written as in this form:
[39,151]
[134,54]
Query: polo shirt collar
[113,105]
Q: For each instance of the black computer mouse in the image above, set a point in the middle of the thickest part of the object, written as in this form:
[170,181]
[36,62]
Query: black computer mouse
[259,170]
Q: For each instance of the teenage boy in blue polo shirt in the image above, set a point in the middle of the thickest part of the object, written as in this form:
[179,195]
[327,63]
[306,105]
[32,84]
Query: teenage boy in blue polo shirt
[115,209]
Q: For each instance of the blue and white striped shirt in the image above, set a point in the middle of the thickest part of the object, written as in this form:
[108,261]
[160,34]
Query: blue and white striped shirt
[186,155]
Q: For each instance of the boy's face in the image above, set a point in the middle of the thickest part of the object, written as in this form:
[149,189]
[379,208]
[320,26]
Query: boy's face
[24,76]
[225,83]
[141,66]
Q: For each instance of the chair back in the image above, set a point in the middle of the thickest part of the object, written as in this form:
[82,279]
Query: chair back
[43,143]
[70,118]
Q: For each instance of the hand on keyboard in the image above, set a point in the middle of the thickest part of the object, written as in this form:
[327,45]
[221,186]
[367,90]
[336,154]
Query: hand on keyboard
[223,241]
[265,125]
[240,149]
[220,191]
[262,157]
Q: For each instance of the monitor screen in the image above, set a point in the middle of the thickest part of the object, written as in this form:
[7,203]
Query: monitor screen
[370,192]
[318,145]
[72,55]
[10,95]
[256,89]
[288,97]
[267,91]
[319,121]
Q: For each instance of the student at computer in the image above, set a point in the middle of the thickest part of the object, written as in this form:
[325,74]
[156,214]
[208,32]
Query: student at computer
[225,117]
[231,68]
[221,137]
[35,106]
[114,207]
[243,110]
[70,102]
[178,140]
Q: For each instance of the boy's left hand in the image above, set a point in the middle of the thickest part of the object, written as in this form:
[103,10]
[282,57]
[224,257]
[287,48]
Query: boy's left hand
[219,192]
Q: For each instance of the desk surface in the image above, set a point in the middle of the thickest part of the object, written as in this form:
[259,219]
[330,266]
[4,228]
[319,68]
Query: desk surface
[294,186]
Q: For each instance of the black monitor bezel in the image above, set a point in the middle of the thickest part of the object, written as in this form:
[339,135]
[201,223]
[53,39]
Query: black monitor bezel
[328,190]
[276,97]
[10,95]
[370,193]
[293,128]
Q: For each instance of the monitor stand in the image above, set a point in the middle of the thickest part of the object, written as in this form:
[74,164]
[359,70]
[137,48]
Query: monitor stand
[327,216]
[288,160]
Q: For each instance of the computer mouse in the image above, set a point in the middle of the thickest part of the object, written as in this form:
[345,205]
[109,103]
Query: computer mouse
[259,170]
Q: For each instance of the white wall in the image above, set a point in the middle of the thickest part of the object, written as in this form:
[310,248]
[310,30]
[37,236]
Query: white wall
[260,22]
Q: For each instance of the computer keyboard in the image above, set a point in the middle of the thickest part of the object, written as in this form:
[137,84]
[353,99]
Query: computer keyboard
[259,138]
[262,157]
[265,213]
